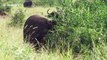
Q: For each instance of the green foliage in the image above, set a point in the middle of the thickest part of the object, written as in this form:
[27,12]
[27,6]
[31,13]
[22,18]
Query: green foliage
[83,24]
[4,7]
[18,18]
[12,1]
[47,2]
[81,28]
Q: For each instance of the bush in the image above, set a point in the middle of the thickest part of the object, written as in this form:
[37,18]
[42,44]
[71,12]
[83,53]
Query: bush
[82,26]
[17,19]
[4,8]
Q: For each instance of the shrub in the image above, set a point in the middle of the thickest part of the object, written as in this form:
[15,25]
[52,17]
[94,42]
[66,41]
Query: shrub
[82,26]
[4,8]
[17,19]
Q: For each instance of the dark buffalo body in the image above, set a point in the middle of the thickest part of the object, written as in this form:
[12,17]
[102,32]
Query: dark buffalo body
[2,12]
[36,28]
[27,4]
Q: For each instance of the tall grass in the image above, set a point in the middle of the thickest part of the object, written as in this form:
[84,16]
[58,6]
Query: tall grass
[12,46]
[80,34]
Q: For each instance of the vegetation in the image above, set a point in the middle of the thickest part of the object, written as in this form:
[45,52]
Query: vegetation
[80,33]
[17,19]
[82,26]
[4,9]
[47,2]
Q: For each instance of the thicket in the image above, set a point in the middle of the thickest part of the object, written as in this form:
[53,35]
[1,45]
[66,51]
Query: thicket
[82,26]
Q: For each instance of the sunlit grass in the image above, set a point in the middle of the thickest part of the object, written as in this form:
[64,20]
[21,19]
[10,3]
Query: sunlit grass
[38,10]
[12,46]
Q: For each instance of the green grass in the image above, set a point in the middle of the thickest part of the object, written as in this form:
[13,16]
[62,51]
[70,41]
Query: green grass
[12,46]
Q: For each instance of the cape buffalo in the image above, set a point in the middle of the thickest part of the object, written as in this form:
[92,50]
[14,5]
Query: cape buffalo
[27,3]
[35,29]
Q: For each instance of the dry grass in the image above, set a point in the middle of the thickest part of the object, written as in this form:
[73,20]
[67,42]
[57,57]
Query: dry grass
[12,46]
